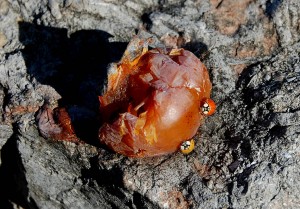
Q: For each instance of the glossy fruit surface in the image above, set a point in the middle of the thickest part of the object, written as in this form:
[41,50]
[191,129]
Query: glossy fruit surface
[153,102]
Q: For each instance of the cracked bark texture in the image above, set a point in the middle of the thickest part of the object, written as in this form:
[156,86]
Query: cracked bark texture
[247,154]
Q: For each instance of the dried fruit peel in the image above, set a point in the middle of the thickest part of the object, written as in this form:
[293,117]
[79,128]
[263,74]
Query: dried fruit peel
[152,101]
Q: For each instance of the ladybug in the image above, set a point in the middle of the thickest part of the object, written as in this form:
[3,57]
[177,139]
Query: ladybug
[187,146]
[208,107]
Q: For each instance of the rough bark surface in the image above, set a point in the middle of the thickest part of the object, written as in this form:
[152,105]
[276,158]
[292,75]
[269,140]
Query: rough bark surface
[57,52]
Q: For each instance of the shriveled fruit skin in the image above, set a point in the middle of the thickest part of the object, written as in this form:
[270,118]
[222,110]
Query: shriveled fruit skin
[56,124]
[152,102]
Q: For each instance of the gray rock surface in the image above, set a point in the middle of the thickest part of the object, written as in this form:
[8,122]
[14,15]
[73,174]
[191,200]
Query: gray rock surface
[57,52]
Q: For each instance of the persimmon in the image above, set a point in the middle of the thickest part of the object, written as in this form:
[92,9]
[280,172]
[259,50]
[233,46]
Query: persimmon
[155,101]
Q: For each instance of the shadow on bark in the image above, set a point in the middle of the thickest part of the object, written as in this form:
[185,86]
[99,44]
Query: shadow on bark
[13,182]
[75,66]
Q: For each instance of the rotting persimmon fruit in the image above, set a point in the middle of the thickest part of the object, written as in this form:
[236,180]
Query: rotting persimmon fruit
[155,101]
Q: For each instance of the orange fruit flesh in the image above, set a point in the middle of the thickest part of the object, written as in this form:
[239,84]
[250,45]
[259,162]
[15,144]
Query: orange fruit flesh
[152,104]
